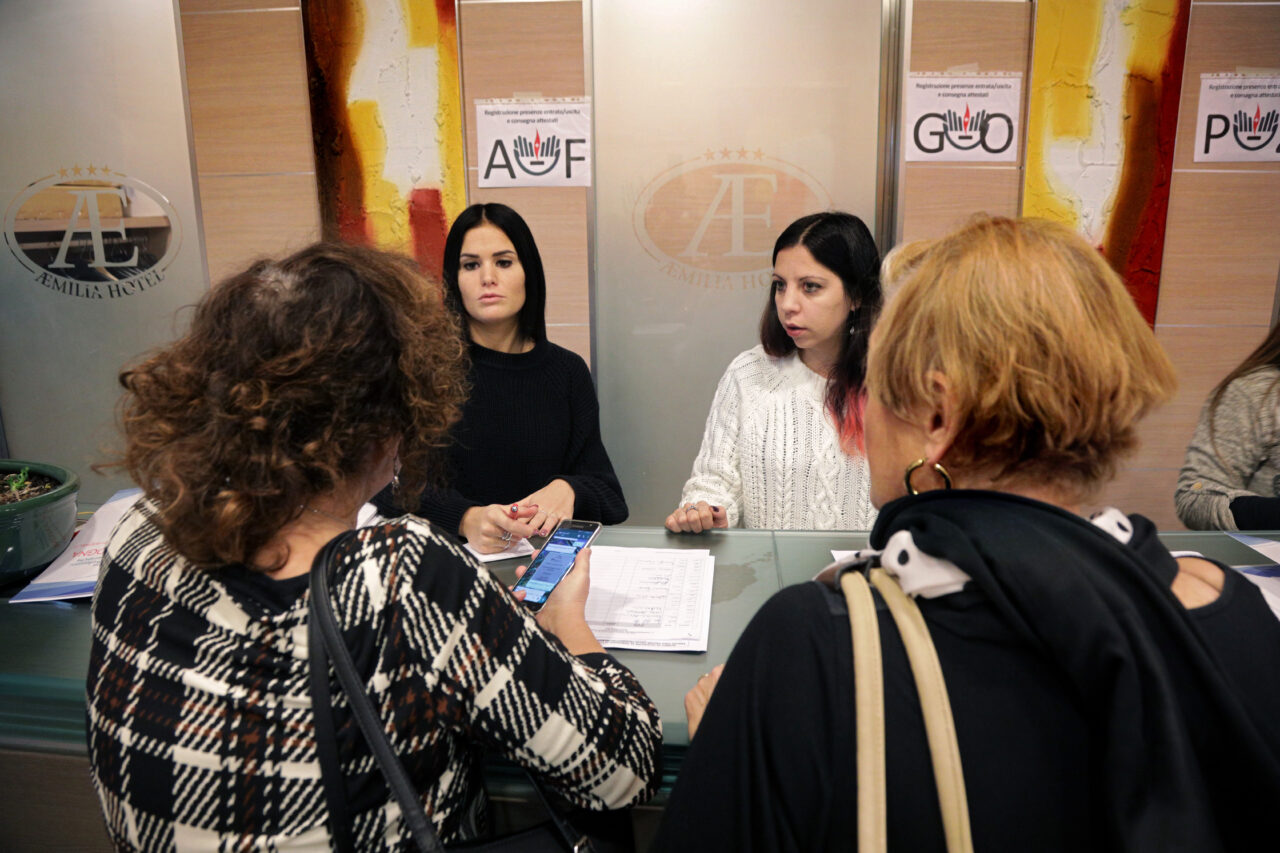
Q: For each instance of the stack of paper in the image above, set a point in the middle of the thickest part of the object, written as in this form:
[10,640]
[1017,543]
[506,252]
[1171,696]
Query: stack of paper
[75,572]
[651,598]
[1266,577]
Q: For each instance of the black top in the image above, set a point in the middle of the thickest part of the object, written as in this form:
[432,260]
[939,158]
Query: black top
[531,418]
[1046,736]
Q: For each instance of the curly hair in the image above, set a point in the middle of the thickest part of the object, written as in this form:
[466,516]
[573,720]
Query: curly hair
[1049,360]
[291,375]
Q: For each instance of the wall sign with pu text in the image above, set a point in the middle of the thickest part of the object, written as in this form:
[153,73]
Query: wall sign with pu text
[1238,118]
[971,117]
[544,143]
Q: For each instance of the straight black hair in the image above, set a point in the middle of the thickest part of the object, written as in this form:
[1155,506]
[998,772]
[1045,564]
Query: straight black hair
[842,243]
[532,319]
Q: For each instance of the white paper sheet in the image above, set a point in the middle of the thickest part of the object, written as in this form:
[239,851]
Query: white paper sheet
[1266,577]
[658,599]
[74,573]
[515,549]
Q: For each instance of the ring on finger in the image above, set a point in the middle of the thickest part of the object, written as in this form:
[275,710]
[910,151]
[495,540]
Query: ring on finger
[690,507]
[506,536]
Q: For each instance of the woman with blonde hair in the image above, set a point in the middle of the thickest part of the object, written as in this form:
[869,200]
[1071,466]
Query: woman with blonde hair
[1105,694]
[304,386]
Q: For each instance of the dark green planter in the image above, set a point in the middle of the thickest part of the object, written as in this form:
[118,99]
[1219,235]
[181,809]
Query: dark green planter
[35,531]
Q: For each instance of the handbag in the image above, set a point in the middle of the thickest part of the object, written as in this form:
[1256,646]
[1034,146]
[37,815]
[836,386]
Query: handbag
[940,727]
[325,645]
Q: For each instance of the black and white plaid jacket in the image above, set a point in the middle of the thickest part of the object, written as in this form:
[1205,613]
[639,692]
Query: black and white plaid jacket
[200,725]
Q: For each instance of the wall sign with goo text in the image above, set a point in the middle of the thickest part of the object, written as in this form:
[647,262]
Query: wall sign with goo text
[963,117]
[1237,119]
[534,143]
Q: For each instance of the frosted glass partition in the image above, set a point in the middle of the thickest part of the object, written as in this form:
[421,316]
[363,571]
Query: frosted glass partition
[717,123]
[102,243]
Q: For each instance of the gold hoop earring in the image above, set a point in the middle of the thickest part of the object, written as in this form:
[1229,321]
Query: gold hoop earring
[919,463]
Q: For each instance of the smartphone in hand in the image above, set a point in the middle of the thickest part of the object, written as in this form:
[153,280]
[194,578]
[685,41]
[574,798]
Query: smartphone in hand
[555,559]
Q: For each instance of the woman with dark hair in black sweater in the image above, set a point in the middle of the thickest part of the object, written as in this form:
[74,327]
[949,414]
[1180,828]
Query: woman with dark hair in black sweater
[527,451]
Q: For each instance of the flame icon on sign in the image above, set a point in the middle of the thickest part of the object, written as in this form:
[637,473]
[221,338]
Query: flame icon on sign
[1253,132]
[539,156]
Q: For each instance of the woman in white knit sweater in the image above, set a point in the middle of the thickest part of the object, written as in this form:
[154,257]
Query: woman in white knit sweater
[770,455]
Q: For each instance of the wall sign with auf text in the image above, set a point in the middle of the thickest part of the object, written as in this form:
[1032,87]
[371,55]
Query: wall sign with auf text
[543,143]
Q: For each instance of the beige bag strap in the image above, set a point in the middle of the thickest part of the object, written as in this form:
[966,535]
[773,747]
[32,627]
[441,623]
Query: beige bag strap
[868,686]
[939,725]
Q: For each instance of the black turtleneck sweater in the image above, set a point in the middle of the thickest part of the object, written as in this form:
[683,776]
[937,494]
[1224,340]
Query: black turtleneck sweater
[531,418]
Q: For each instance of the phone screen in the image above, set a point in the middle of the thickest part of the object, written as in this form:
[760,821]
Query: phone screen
[555,559]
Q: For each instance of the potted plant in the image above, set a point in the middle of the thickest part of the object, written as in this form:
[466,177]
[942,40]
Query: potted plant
[37,515]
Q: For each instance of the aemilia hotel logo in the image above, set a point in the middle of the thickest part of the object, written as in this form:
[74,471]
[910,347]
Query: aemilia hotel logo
[90,232]
[711,221]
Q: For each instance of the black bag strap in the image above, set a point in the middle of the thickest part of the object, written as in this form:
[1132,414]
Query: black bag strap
[323,625]
[327,743]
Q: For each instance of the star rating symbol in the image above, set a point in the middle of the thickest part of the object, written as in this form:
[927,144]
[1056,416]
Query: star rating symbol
[709,154]
[742,153]
[759,154]
[76,170]
[725,153]
[92,170]
[62,173]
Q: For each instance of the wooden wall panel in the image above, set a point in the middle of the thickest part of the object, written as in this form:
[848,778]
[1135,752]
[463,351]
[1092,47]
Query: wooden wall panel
[250,114]
[571,336]
[203,6]
[939,198]
[1147,491]
[501,42]
[247,85]
[994,35]
[1220,39]
[247,216]
[1222,254]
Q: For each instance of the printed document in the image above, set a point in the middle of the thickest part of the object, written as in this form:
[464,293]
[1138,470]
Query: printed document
[1266,577]
[658,599]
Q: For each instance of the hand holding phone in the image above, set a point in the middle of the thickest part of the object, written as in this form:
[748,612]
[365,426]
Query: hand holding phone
[555,560]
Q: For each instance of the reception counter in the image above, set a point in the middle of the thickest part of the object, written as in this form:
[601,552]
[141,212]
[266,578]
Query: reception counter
[44,647]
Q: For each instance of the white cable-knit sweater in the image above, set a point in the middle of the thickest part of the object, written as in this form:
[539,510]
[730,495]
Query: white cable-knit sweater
[771,455]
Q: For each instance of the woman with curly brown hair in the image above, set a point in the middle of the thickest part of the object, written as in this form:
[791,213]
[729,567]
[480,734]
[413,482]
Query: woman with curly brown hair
[300,389]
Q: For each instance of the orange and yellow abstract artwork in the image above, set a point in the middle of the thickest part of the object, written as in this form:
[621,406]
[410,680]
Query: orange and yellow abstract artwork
[386,113]
[1102,116]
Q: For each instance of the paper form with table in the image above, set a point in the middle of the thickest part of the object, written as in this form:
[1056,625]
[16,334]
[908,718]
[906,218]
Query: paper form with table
[656,599]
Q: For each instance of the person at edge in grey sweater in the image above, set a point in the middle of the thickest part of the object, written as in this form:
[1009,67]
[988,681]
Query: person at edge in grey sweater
[1231,477]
